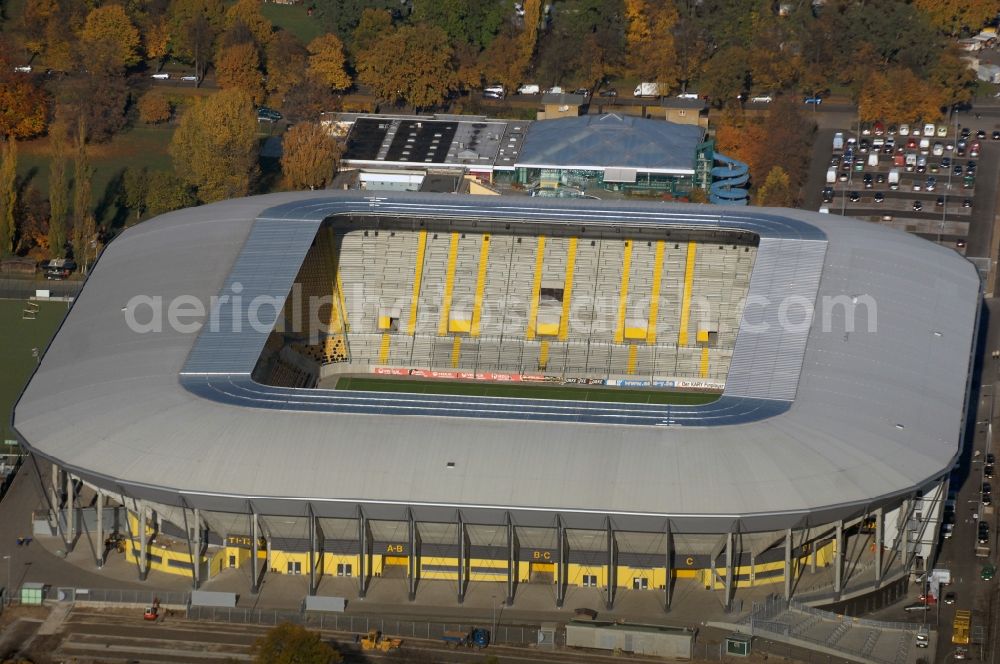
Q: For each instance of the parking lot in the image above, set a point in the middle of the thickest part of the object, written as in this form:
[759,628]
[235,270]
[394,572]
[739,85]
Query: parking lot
[931,183]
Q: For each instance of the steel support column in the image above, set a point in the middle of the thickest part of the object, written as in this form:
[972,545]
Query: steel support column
[362,553]
[70,512]
[99,535]
[411,564]
[511,561]
[143,561]
[254,552]
[788,565]
[668,545]
[612,567]
[312,551]
[729,570]
[462,558]
[838,567]
[197,547]
[561,563]
[56,503]
[879,538]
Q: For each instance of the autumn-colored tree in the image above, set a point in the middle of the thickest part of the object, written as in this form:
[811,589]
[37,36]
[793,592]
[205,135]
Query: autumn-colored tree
[109,39]
[248,13]
[374,23]
[156,37]
[23,106]
[899,95]
[293,644]
[193,26]
[8,194]
[495,63]
[777,189]
[950,16]
[326,62]
[238,67]
[32,217]
[215,146]
[527,42]
[154,108]
[135,192]
[286,65]
[61,52]
[58,189]
[37,16]
[100,98]
[875,100]
[309,156]
[170,193]
[84,230]
[413,65]
[725,75]
[651,54]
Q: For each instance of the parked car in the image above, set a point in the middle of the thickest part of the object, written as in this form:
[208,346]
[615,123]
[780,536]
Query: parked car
[761,99]
[529,89]
[813,100]
[828,195]
[987,499]
[996,136]
[988,468]
[967,203]
[879,197]
[917,206]
[949,598]
[162,76]
[583,92]
[880,178]
[855,196]
[869,181]
[980,134]
[989,571]
[942,130]
[931,184]
[939,202]
[609,92]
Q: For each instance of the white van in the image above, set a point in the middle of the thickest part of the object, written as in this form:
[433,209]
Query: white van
[923,636]
[904,130]
[764,99]
[925,145]
[873,159]
[824,210]
[529,89]
[929,129]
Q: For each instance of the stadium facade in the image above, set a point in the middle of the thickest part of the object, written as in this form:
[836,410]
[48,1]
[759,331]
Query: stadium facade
[181,388]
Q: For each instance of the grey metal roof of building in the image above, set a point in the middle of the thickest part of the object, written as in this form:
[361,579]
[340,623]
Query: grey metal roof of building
[815,423]
[594,142]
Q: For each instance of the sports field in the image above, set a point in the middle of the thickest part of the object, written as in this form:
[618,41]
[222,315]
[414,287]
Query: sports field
[18,337]
[525,391]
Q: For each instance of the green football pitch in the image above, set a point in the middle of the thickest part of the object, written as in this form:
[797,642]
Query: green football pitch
[525,391]
[19,337]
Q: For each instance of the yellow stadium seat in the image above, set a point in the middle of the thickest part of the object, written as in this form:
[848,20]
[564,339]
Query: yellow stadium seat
[458,325]
[548,329]
[637,333]
[702,337]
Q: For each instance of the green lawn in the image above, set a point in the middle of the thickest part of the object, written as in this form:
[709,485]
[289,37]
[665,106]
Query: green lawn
[137,147]
[526,391]
[293,18]
[17,339]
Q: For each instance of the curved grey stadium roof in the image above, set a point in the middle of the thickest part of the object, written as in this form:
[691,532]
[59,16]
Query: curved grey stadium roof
[814,422]
[611,141]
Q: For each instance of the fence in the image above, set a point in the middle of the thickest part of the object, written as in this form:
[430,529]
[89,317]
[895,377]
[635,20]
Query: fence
[22,289]
[506,634]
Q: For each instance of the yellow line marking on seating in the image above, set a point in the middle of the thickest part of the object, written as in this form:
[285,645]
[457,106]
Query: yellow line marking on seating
[633,351]
[536,289]
[383,351]
[456,351]
[449,285]
[704,362]
[682,337]
[411,324]
[567,288]
[623,292]
[543,355]
[477,304]
[654,293]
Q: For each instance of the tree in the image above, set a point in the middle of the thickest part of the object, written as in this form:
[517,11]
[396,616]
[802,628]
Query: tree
[309,156]
[84,230]
[32,217]
[286,65]
[215,147]
[950,16]
[100,98]
[135,191]
[725,75]
[193,26]
[652,55]
[23,106]
[170,193]
[411,65]
[109,39]
[374,23]
[154,108]
[248,13]
[293,644]
[58,190]
[343,16]
[474,22]
[776,190]
[326,62]
[156,37]
[37,15]
[238,67]
[585,44]
[8,195]
[875,100]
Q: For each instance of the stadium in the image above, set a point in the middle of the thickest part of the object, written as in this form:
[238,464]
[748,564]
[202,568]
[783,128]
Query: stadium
[610,395]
